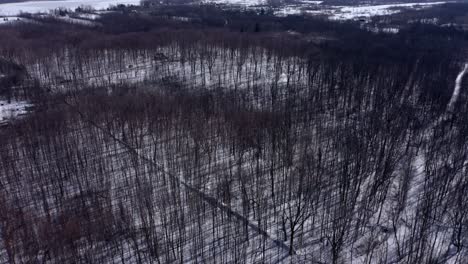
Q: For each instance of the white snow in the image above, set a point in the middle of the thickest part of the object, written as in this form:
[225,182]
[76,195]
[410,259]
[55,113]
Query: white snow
[352,12]
[338,12]
[11,9]
[13,109]
[289,10]
[78,21]
[237,2]
[7,20]
[88,16]
[312,2]
[256,2]
[390,30]
[456,90]
[343,12]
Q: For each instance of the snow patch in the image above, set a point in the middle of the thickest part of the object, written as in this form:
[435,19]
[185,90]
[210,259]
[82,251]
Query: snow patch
[312,2]
[13,109]
[238,2]
[88,16]
[9,20]
[76,21]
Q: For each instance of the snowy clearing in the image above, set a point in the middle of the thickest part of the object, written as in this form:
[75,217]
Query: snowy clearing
[7,20]
[11,9]
[237,2]
[352,12]
[314,8]
[88,16]
[13,109]
[77,21]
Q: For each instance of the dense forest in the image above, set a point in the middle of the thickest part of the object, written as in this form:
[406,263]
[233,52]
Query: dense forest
[196,134]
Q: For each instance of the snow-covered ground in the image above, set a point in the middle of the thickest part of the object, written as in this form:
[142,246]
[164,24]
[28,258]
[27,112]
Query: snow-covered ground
[315,8]
[256,2]
[77,21]
[312,2]
[13,109]
[352,12]
[456,90]
[238,2]
[11,9]
[335,12]
[7,20]
[88,16]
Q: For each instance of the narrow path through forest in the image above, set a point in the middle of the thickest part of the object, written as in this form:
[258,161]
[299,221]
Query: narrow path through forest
[205,197]
[414,195]
[420,159]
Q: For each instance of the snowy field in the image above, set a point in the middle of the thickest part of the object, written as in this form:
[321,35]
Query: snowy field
[12,9]
[334,12]
[351,12]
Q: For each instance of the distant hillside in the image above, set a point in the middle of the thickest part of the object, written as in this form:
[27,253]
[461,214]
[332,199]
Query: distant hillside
[19,1]
[360,2]
[326,2]
[11,1]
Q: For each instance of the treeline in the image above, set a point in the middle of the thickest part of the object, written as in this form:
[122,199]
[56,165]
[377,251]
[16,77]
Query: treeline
[443,14]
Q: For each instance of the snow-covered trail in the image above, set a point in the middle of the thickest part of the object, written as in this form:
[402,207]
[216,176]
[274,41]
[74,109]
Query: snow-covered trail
[417,177]
[420,159]
[456,90]
[453,100]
